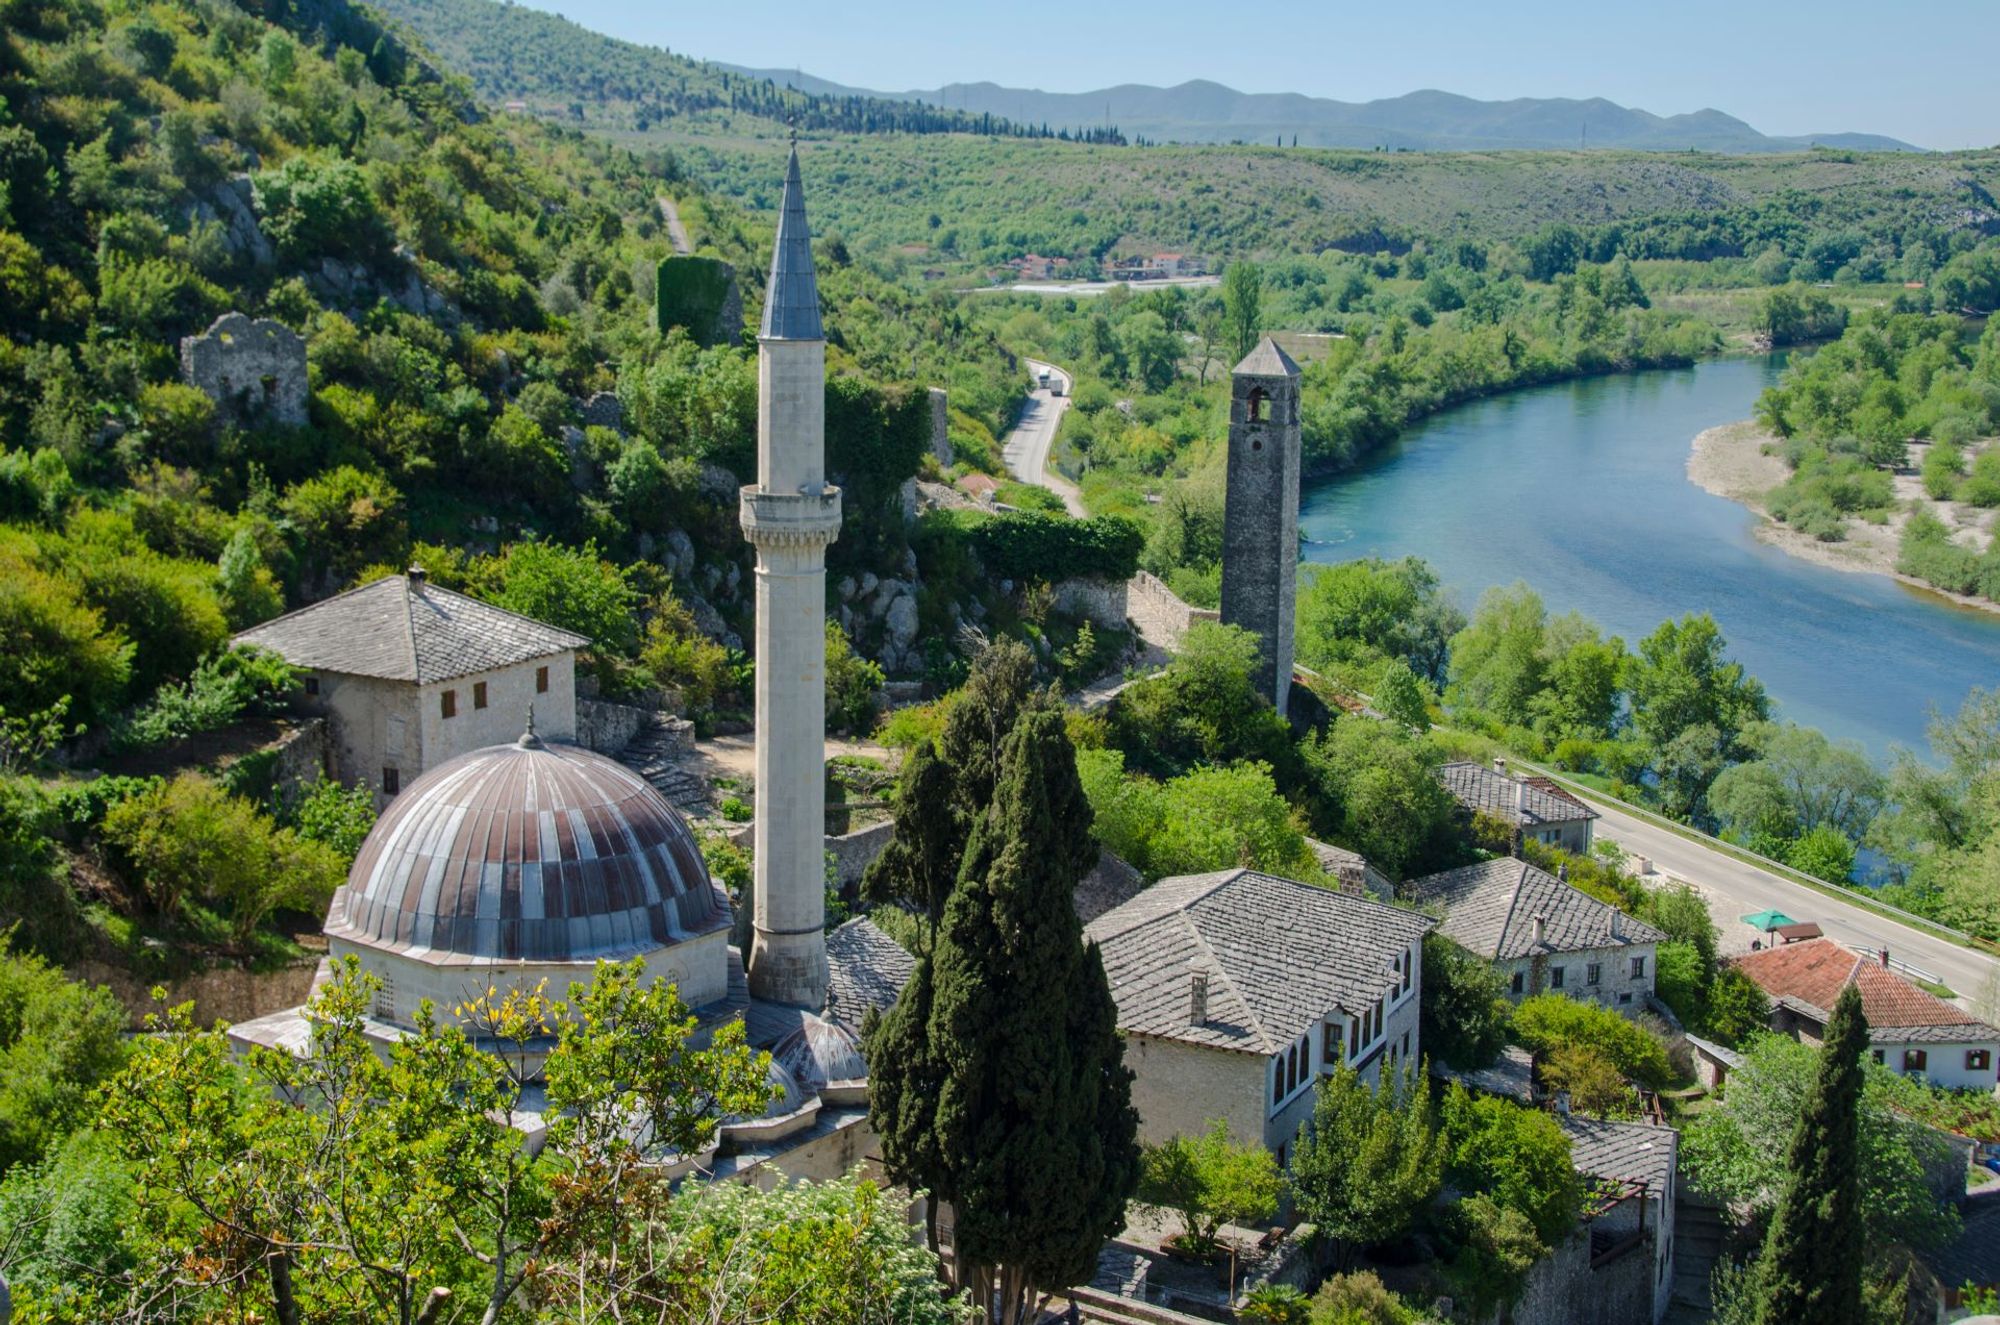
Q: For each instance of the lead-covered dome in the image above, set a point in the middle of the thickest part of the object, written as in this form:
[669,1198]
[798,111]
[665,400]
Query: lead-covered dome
[527,852]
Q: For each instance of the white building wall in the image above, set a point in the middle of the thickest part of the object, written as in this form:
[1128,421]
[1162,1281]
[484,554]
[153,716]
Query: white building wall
[1617,987]
[1944,1064]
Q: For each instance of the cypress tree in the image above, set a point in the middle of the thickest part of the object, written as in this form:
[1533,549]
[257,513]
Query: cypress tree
[920,864]
[1810,1273]
[1034,1123]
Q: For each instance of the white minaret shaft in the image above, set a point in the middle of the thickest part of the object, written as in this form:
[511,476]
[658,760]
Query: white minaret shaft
[790,516]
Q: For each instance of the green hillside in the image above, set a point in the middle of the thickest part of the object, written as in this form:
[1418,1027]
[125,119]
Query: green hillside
[550,67]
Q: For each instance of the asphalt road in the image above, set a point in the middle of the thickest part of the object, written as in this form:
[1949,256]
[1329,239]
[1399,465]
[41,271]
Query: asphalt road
[1026,448]
[1734,889]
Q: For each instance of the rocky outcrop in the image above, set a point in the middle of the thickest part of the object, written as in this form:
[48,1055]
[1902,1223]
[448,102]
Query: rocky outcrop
[230,205]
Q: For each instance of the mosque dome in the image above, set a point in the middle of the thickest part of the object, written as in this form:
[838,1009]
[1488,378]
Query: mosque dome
[819,1052]
[529,852]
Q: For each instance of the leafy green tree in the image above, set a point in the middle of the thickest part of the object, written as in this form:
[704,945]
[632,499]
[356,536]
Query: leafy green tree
[1681,680]
[1243,305]
[1368,1160]
[1741,1150]
[336,815]
[853,684]
[1811,1264]
[1363,610]
[249,1197]
[1465,1007]
[1400,696]
[313,205]
[1203,709]
[59,1039]
[1038,1178]
[1548,1022]
[1520,1157]
[1681,981]
[1798,781]
[66,1215]
[919,865]
[1824,852]
[574,588]
[1210,1180]
[1494,1246]
[1373,788]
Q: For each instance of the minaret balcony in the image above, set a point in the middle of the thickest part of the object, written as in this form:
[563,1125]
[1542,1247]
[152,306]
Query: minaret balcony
[791,519]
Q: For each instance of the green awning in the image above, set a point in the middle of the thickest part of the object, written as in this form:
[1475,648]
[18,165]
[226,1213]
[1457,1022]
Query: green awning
[1768,920]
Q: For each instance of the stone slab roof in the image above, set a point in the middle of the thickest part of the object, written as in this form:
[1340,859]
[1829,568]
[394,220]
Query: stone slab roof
[865,969]
[1510,1076]
[1809,976]
[1280,955]
[791,297]
[1621,1152]
[1974,1255]
[397,630]
[1490,909]
[1267,359]
[1527,802]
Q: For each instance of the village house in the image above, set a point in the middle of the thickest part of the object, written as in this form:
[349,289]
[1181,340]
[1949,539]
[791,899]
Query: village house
[1537,808]
[1238,990]
[1635,1164]
[1910,1031]
[1542,934]
[411,676]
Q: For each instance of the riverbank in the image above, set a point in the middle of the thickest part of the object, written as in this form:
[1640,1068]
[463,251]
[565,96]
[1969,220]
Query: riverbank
[1739,461]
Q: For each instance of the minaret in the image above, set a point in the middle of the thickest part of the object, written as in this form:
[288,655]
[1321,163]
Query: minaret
[790,516]
[1260,525]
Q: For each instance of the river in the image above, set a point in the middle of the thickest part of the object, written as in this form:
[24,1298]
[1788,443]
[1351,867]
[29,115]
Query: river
[1581,490]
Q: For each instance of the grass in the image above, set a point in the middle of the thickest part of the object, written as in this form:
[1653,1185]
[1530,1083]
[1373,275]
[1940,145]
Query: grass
[1933,988]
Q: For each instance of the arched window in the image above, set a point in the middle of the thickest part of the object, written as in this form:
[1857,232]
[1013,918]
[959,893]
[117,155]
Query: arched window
[1256,404]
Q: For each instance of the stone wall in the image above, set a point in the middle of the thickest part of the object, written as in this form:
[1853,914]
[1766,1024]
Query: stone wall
[606,727]
[304,756]
[226,993]
[1101,602]
[854,852]
[1562,1289]
[1159,614]
[702,295]
[940,426]
[254,370]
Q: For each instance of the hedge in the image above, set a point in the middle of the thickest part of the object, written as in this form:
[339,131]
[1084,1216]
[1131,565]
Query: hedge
[1034,545]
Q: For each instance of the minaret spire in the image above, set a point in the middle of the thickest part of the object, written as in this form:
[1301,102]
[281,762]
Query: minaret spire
[791,299]
[789,515]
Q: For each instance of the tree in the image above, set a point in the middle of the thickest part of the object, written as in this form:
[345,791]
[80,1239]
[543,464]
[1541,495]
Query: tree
[250,1196]
[1203,709]
[1740,1150]
[1039,1177]
[1811,1265]
[59,1038]
[919,865]
[1518,1156]
[1737,1008]
[1243,305]
[1548,1022]
[1824,853]
[573,588]
[1681,680]
[1210,1181]
[1465,1007]
[1798,781]
[1358,612]
[1400,696]
[1497,663]
[852,684]
[1591,1080]
[1373,787]
[1495,1246]
[1368,1160]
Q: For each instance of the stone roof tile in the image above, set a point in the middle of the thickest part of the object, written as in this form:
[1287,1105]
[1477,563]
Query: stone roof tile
[1621,1152]
[395,630]
[1490,908]
[1523,801]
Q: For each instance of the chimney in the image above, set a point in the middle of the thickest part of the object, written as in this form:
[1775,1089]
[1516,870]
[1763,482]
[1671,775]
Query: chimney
[1617,923]
[1540,926]
[415,575]
[1500,765]
[1197,995]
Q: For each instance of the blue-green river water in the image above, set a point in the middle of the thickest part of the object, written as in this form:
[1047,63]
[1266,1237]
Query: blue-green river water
[1581,490]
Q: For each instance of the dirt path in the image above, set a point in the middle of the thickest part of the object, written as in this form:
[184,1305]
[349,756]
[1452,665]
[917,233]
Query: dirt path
[675,230]
[735,757]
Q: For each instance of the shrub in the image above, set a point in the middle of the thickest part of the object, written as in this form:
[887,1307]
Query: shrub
[58,1039]
[1519,1157]
[312,205]
[1210,1181]
[1359,1298]
[1275,1304]
[187,840]
[1033,545]
[1823,852]
[853,685]
[242,679]
[1943,468]
[573,588]
[1591,1079]
[1548,1022]
[338,816]
[1494,1247]
[735,810]
[1465,1008]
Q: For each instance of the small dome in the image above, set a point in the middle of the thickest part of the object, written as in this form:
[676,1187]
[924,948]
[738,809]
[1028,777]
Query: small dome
[819,1052]
[527,852]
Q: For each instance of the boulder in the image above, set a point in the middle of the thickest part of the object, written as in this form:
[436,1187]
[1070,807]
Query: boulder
[680,553]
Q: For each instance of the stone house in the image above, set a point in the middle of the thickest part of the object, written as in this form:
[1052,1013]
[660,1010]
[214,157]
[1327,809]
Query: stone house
[254,369]
[1638,1161]
[1537,808]
[411,675]
[1542,934]
[1238,990]
[1910,1032]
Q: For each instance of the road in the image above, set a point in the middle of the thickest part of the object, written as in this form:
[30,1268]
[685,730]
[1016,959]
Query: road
[1734,889]
[1026,448]
[675,230]
[1085,289]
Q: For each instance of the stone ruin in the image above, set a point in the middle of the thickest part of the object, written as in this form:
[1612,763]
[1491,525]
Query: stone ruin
[254,370]
[700,294]
[940,427]
[602,410]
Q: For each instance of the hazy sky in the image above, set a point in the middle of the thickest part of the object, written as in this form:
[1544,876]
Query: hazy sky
[1920,70]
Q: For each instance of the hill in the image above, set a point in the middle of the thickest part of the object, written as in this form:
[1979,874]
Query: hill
[1200,111]
[545,65]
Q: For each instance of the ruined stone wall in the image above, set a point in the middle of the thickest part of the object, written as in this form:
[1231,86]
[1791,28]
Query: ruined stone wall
[254,370]
[940,426]
[1159,614]
[1101,602]
[606,727]
[854,852]
[226,993]
[1562,1289]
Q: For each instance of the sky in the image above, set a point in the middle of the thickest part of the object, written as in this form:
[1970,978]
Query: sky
[1920,70]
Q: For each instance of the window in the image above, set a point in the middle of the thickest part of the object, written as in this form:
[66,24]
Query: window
[1256,402]
[1354,1038]
[1625,997]
[392,781]
[1879,1056]
[479,694]
[1329,1044]
[312,685]
[1557,977]
[541,680]
[1406,1044]
[1292,1070]
[1520,982]
[1914,1060]
[1978,1060]
[1281,1154]
[1278,1079]
[448,703]
[1638,968]
[1593,973]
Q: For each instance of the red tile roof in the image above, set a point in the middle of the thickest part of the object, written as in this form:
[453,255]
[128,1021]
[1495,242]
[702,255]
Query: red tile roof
[1815,971]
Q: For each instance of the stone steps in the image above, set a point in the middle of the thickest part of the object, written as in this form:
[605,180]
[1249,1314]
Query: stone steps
[660,753]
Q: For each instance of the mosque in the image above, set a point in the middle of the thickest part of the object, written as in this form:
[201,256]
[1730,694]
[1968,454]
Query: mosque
[534,860]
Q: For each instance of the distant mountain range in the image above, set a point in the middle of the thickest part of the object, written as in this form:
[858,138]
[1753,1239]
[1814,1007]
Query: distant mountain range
[1205,112]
